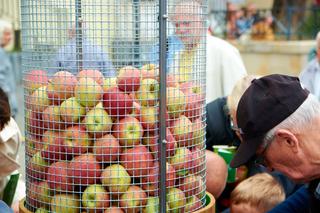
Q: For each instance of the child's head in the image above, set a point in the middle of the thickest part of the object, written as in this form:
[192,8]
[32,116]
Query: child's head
[4,109]
[258,193]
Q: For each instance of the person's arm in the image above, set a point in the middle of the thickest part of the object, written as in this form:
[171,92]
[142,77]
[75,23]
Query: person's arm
[296,203]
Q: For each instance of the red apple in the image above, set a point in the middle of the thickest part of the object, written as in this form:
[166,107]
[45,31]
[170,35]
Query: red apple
[69,203]
[176,200]
[106,149]
[117,103]
[94,74]
[193,89]
[57,177]
[133,200]
[193,204]
[34,123]
[55,151]
[128,79]
[35,79]
[136,108]
[149,118]
[33,145]
[137,160]
[114,210]
[76,140]
[198,160]
[194,108]
[61,86]
[84,169]
[182,130]
[176,102]
[38,194]
[51,118]
[148,93]
[199,133]
[128,130]
[193,185]
[38,100]
[71,111]
[37,167]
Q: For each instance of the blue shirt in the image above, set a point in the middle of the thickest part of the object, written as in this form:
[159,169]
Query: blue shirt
[7,81]
[310,77]
[93,58]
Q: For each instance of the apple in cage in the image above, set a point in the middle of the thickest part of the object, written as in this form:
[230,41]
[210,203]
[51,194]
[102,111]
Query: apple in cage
[149,118]
[192,185]
[192,89]
[35,79]
[57,177]
[181,161]
[106,149]
[136,110]
[133,199]
[51,118]
[41,210]
[88,92]
[176,102]
[71,110]
[137,160]
[84,170]
[55,151]
[32,145]
[37,167]
[150,71]
[117,103]
[182,130]
[70,203]
[38,100]
[94,74]
[34,123]
[151,140]
[199,133]
[49,136]
[193,204]
[114,209]
[128,130]
[198,160]
[148,92]
[109,82]
[128,79]
[98,122]
[95,198]
[61,86]
[38,193]
[194,108]
[116,178]
[172,80]
[153,176]
[176,200]
[76,140]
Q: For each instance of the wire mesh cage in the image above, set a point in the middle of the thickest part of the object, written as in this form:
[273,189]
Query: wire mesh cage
[114,101]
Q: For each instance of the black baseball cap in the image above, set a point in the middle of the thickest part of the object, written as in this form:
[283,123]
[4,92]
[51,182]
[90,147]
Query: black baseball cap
[267,102]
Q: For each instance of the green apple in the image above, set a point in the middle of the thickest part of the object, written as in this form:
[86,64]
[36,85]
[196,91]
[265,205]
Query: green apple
[176,200]
[149,117]
[116,178]
[95,197]
[37,166]
[176,102]
[98,121]
[181,161]
[109,82]
[129,131]
[148,92]
[71,110]
[41,210]
[182,130]
[152,205]
[88,92]
[193,204]
[66,203]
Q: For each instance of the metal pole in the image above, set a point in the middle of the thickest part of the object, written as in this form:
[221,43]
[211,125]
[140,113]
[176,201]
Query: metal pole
[163,16]
[79,35]
[136,18]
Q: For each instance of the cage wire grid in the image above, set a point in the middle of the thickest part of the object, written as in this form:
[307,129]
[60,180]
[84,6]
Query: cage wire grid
[115,105]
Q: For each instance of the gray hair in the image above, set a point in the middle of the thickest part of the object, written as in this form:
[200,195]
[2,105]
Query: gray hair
[300,120]
[4,25]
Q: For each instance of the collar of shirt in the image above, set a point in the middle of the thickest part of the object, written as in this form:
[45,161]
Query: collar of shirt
[8,132]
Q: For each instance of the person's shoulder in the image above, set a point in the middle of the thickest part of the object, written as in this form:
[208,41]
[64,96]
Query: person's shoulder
[218,43]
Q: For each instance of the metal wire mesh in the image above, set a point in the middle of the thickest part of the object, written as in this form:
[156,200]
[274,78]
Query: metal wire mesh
[92,101]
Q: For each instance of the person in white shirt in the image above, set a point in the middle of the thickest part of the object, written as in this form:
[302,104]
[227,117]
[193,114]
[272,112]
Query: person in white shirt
[310,75]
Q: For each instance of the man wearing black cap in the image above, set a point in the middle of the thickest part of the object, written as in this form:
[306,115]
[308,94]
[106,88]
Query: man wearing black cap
[280,123]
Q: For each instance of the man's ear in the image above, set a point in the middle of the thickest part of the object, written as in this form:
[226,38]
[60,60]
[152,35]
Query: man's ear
[286,138]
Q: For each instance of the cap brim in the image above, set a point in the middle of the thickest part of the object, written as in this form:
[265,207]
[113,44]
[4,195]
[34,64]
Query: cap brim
[246,151]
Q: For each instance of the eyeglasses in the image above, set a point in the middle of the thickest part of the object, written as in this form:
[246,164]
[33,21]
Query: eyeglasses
[261,158]
[234,127]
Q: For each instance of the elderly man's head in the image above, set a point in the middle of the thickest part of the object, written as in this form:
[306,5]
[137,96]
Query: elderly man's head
[280,124]
[188,18]
[6,33]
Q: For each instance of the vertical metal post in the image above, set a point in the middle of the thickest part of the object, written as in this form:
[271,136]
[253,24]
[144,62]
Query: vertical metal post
[163,95]
[136,18]
[79,35]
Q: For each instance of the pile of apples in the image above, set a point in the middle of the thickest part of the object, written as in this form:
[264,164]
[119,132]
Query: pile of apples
[92,142]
